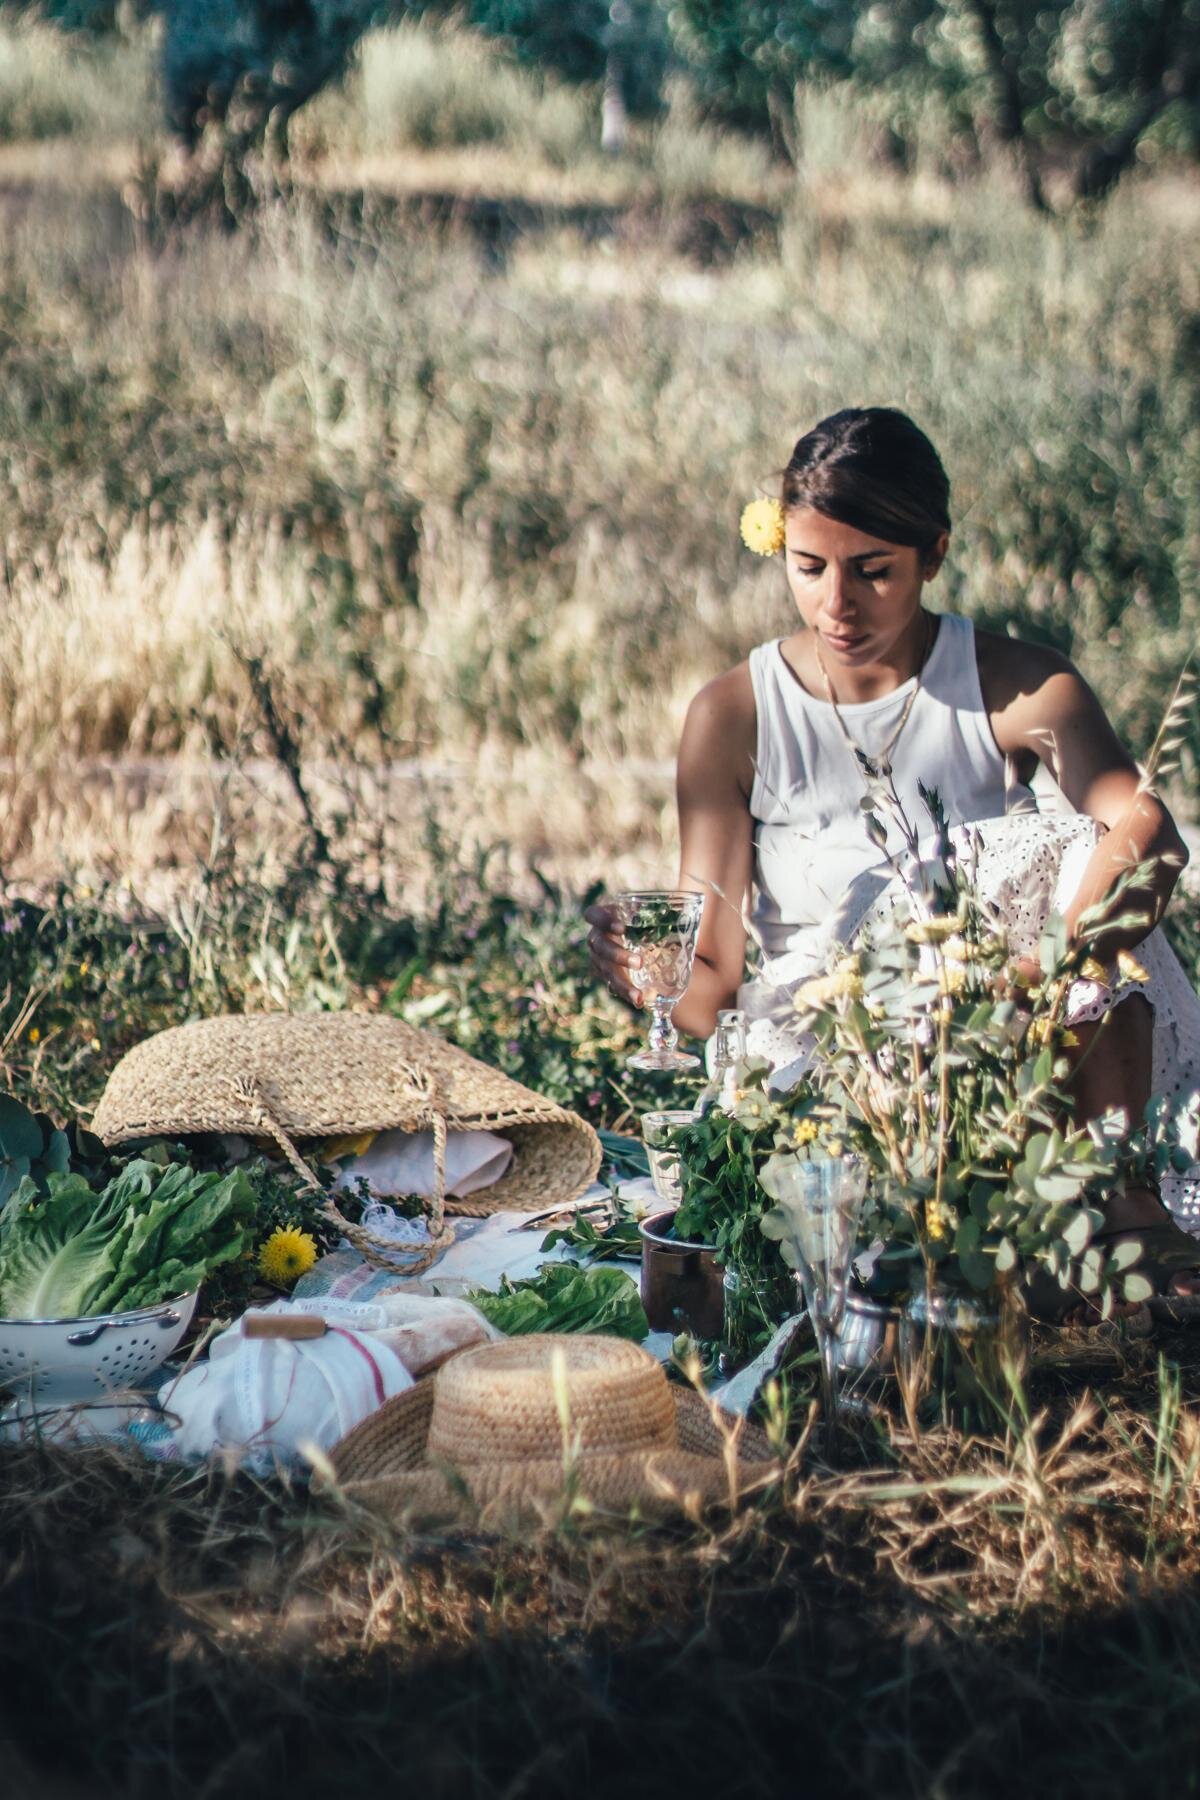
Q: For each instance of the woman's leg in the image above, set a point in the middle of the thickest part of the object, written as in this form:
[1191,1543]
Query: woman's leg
[1112,1068]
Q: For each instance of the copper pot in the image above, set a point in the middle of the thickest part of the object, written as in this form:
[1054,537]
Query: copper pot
[681,1282]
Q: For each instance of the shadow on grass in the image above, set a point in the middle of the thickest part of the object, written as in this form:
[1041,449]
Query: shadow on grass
[166,1633]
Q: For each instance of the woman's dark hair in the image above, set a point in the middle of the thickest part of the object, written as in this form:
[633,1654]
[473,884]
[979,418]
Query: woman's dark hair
[871,467]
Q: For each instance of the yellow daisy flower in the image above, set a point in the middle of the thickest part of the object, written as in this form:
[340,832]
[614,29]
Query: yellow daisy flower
[287,1254]
[804,1131]
[762,527]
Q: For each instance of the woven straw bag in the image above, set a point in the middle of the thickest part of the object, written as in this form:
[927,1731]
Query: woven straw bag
[315,1075]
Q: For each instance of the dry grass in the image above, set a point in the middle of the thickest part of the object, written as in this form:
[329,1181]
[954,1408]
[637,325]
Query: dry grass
[486,514]
[956,1619]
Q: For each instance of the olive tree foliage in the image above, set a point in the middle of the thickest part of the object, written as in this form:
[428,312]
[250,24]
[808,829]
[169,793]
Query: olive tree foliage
[235,71]
[1090,76]
[245,66]
[623,44]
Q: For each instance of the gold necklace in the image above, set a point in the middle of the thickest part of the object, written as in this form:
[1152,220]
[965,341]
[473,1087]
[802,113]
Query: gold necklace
[880,763]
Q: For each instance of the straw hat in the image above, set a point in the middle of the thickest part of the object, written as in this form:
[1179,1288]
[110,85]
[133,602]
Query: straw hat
[509,1432]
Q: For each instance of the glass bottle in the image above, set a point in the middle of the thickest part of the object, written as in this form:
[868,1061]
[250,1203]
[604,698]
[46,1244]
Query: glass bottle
[728,1051]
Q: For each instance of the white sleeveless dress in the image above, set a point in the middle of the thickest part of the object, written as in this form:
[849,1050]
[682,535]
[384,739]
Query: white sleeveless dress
[818,877]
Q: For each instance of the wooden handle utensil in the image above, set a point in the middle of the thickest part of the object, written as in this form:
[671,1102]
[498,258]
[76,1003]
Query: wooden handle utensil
[296,1327]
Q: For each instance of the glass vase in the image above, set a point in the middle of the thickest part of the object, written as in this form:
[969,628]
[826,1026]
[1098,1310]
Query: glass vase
[960,1351]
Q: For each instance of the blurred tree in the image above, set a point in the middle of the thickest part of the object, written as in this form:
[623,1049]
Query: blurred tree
[234,73]
[247,67]
[1090,76]
[623,44]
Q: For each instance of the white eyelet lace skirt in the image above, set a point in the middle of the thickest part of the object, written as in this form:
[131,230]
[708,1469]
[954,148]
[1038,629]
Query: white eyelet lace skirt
[1027,866]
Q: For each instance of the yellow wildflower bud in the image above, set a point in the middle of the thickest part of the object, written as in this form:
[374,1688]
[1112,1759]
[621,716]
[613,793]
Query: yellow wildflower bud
[95,1043]
[1130,967]
[1091,970]
[834,1146]
[804,1131]
[34,1034]
[818,990]
[84,967]
[1069,1039]
[762,527]
[933,931]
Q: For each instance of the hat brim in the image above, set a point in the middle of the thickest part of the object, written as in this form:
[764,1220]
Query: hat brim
[383,1464]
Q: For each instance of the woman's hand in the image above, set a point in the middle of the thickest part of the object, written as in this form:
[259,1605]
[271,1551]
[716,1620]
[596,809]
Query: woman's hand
[610,957]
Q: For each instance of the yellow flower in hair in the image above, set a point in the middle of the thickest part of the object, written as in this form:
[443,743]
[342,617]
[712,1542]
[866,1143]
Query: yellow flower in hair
[762,527]
[287,1254]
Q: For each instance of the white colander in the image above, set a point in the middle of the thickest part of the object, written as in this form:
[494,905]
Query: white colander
[76,1362]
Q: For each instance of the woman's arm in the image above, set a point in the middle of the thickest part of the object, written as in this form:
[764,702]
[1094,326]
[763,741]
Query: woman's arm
[713,784]
[1044,705]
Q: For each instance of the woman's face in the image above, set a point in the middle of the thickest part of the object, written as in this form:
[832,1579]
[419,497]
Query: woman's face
[859,594]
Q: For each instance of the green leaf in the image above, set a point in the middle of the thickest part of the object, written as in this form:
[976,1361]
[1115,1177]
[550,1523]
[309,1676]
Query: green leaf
[966,1238]
[20,1133]
[1136,1287]
[1078,1232]
[562,1297]
[1057,1186]
[1091,1271]
[978,1267]
[60,1251]
[57,1159]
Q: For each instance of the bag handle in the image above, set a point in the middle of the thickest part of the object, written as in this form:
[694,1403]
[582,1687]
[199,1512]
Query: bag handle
[426,1110]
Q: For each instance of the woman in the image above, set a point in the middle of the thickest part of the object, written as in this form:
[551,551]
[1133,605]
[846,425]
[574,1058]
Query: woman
[770,787]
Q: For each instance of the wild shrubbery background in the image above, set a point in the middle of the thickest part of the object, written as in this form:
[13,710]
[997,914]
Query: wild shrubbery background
[469,488]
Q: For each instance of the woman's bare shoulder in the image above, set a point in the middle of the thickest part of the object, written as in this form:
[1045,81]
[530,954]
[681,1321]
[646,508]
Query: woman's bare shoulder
[721,726]
[1011,669]
[727,698]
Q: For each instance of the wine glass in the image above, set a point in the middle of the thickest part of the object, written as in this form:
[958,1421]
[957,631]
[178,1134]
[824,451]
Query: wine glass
[662,926]
[823,1218]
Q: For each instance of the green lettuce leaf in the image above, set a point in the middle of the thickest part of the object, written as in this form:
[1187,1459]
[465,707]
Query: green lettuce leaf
[152,1233]
[562,1297]
[60,1250]
[188,1226]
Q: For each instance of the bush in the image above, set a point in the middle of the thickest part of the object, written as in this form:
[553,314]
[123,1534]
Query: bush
[52,85]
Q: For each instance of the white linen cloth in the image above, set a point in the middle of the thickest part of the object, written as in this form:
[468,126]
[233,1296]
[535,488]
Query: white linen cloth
[401,1162]
[263,1399]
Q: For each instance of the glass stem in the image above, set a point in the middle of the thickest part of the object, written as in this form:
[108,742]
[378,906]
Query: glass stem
[663,1035]
[827,1348]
